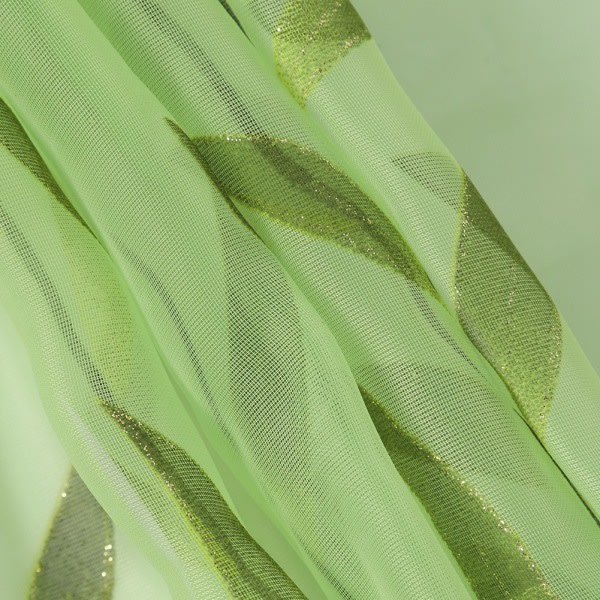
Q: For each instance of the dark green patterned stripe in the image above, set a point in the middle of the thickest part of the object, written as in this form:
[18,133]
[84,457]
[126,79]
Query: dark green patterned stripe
[493,558]
[247,570]
[310,37]
[300,189]
[505,310]
[500,303]
[78,557]
[16,141]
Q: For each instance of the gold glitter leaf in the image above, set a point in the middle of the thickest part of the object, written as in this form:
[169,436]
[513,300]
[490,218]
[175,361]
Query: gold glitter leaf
[500,303]
[505,310]
[297,187]
[246,569]
[494,559]
[77,560]
[310,37]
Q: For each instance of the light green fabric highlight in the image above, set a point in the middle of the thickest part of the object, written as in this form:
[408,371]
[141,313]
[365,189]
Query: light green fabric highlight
[505,310]
[235,291]
[33,464]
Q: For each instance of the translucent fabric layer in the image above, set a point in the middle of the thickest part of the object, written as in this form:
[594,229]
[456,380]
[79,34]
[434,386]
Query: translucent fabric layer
[284,347]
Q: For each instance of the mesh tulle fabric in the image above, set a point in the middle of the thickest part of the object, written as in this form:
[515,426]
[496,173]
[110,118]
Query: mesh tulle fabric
[287,350]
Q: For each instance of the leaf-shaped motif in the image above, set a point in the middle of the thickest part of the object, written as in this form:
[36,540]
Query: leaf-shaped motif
[500,303]
[16,141]
[78,556]
[310,37]
[302,190]
[247,570]
[505,310]
[493,558]
[266,351]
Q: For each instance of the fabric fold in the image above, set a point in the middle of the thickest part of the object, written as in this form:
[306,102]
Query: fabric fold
[286,345]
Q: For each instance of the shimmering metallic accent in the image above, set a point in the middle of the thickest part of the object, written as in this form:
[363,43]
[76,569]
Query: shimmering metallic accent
[500,303]
[505,311]
[78,557]
[246,569]
[14,138]
[494,559]
[310,37]
[300,189]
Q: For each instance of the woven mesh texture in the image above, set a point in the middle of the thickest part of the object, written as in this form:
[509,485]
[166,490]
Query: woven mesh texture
[287,347]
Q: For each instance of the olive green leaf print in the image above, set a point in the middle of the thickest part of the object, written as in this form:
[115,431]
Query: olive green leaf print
[500,303]
[310,37]
[78,556]
[493,558]
[247,570]
[302,190]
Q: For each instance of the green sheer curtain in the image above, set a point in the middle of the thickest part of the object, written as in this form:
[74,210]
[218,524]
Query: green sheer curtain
[519,112]
[262,336]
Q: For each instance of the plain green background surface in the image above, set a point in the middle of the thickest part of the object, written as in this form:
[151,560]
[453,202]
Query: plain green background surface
[513,90]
